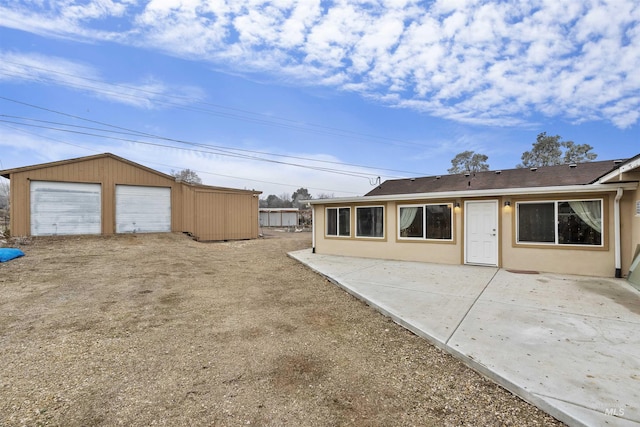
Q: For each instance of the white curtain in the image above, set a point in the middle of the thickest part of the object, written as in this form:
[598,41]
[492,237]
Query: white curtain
[407,215]
[589,212]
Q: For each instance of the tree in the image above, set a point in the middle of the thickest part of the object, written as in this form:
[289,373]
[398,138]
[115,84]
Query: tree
[187,175]
[468,161]
[299,195]
[547,151]
[577,153]
[326,196]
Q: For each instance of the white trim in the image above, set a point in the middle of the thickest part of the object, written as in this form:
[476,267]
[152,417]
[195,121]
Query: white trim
[567,189]
[616,173]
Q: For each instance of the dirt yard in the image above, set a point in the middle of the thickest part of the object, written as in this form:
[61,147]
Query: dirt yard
[162,330]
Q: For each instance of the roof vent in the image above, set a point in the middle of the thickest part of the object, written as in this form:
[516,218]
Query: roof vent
[498,172]
[412,179]
[467,174]
[617,162]
[439,176]
[573,165]
[533,169]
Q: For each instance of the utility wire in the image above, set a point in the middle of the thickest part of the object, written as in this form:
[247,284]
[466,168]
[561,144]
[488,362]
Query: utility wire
[126,131]
[173,166]
[268,120]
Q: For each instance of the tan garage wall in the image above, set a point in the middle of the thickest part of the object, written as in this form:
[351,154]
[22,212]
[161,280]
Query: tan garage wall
[224,215]
[208,213]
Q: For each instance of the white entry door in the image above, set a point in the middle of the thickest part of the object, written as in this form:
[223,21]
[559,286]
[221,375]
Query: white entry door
[481,232]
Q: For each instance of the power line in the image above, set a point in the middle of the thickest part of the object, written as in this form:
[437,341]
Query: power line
[176,167]
[263,119]
[126,131]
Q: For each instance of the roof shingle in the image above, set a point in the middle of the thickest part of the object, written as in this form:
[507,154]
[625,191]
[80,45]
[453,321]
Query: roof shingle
[544,176]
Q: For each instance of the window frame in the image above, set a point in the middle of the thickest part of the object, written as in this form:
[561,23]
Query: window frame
[556,222]
[326,228]
[424,237]
[384,228]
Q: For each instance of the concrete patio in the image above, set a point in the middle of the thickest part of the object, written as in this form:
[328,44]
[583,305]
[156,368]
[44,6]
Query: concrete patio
[567,344]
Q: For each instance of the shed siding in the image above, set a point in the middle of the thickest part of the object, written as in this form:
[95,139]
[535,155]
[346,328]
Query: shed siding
[205,212]
[223,215]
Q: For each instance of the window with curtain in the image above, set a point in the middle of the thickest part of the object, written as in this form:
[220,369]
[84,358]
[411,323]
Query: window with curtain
[370,221]
[426,222]
[573,222]
[338,222]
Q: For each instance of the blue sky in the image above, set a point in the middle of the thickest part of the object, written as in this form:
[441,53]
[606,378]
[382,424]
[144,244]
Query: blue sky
[326,95]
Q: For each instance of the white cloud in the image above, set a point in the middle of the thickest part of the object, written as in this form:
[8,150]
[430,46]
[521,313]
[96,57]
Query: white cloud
[468,60]
[149,93]
[19,147]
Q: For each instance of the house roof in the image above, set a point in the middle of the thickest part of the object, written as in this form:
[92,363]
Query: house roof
[544,176]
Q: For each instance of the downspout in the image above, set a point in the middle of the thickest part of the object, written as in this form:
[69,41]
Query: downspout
[313,229]
[616,232]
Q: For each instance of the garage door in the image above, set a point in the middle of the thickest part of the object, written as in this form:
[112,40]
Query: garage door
[62,208]
[143,209]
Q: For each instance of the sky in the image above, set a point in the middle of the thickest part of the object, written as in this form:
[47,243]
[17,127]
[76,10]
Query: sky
[331,96]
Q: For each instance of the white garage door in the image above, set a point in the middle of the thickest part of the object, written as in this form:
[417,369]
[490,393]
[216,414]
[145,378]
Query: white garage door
[62,208]
[143,209]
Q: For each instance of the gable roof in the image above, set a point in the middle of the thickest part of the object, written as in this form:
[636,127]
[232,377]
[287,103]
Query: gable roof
[544,176]
[7,172]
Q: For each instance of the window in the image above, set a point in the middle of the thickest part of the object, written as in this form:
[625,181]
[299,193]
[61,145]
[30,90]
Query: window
[370,221]
[573,222]
[339,222]
[426,222]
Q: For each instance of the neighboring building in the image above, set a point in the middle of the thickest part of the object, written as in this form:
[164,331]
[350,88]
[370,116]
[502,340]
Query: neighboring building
[106,194]
[573,219]
[279,217]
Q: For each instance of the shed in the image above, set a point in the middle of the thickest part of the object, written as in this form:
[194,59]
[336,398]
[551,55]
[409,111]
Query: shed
[279,217]
[106,194]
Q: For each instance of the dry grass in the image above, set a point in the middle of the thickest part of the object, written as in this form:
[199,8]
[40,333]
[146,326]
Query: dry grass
[161,330]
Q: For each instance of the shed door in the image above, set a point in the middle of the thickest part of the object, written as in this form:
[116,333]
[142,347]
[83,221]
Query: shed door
[62,208]
[143,209]
[481,233]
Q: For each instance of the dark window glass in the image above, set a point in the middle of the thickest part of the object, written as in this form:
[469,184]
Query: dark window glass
[536,222]
[438,221]
[580,222]
[332,222]
[411,221]
[369,221]
[344,221]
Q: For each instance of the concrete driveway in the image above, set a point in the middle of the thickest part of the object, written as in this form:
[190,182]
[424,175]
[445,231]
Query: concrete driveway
[567,344]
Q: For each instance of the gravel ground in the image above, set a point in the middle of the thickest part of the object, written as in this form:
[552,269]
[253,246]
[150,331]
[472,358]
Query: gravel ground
[161,330]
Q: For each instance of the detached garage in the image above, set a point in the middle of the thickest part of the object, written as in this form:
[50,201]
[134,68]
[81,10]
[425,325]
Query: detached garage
[106,194]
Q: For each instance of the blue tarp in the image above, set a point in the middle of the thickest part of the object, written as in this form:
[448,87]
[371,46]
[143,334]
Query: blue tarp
[7,254]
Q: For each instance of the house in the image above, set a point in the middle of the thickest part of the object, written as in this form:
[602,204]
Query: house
[573,219]
[106,194]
